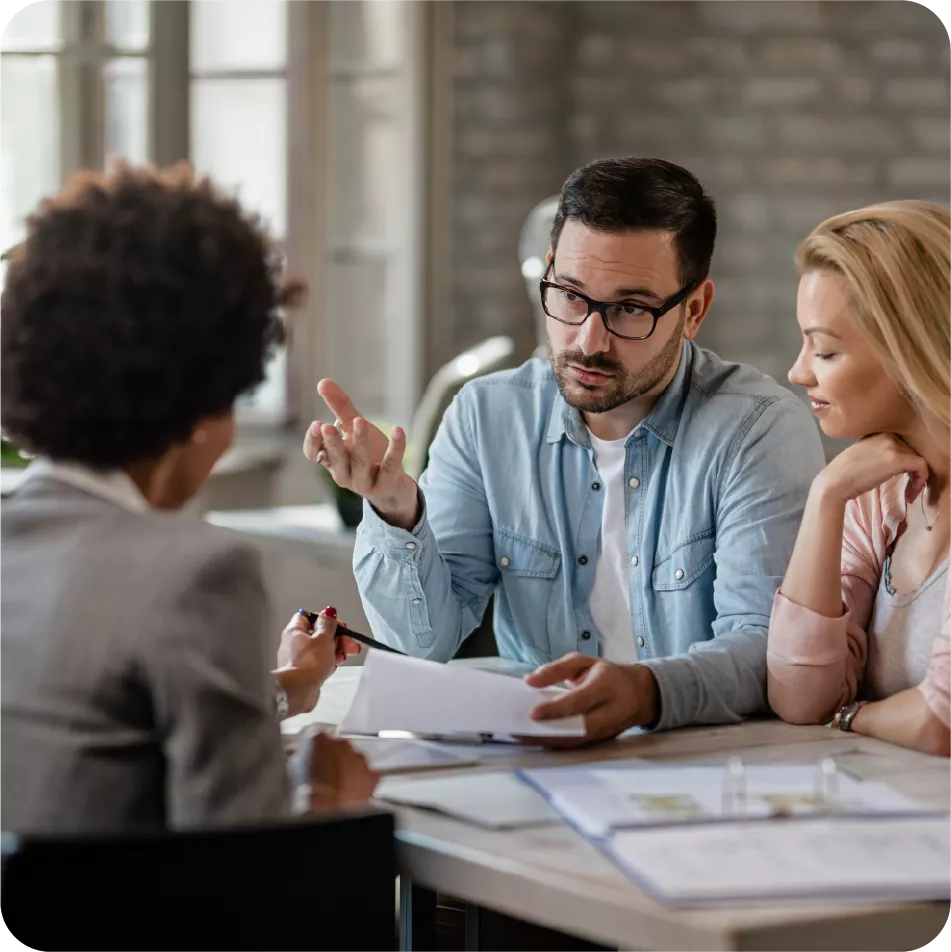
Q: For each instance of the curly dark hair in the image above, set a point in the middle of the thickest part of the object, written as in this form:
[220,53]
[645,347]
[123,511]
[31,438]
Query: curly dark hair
[141,301]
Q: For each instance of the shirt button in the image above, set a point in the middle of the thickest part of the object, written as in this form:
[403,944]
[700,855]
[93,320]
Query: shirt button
[679,574]
[504,561]
[640,642]
[582,560]
[416,601]
[586,636]
[410,545]
[595,486]
[633,560]
[634,482]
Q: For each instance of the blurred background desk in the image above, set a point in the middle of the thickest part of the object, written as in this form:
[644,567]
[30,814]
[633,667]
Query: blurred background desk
[9,480]
[307,555]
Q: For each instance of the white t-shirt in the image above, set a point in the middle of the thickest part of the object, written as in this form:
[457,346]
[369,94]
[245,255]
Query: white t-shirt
[610,603]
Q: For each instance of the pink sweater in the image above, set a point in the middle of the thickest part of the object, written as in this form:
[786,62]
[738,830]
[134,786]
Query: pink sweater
[815,663]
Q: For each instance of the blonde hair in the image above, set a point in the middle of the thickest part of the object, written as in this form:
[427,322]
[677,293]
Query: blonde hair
[896,258]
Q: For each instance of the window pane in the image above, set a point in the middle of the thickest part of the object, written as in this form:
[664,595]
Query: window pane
[367,33]
[366,167]
[29,147]
[127,109]
[360,309]
[127,23]
[269,401]
[238,34]
[239,137]
[36,27]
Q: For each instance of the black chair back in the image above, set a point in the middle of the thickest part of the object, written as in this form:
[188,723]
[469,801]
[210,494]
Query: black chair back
[298,884]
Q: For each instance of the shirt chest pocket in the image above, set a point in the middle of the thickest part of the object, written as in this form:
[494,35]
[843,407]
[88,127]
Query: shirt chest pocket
[685,563]
[527,572]
[518,557]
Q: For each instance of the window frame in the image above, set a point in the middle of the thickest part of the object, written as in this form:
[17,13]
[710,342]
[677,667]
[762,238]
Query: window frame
[251,421]
[308,75]
[405,359]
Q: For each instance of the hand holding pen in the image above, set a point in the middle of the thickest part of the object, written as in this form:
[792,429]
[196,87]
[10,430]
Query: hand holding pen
[348,634]
[305,642]
[309,653]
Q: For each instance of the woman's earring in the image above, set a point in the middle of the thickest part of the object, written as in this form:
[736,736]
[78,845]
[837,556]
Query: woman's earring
[199,437]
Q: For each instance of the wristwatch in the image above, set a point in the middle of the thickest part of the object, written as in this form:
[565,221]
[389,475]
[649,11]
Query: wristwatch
[282,706]
[845,715]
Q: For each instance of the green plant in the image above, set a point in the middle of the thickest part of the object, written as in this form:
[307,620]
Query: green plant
[10,456]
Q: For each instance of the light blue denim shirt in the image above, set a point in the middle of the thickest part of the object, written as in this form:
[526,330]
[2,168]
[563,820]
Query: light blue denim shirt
[717,479]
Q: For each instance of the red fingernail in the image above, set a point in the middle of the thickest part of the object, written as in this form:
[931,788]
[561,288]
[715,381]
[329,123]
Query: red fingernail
[330,611]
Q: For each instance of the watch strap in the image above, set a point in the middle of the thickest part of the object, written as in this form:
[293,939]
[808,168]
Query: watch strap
[282,706]
[846,714]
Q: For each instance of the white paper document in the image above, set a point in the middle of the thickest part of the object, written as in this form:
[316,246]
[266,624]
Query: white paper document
[425,697]
[497,800]
[398,755]
[812,859]
[600,798]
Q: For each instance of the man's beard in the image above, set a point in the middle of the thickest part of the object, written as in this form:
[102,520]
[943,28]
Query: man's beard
[625,385]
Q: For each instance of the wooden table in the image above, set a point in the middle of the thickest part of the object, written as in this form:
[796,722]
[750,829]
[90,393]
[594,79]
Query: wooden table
[553,877]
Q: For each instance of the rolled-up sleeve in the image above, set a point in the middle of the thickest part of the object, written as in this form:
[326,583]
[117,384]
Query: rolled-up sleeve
[815,662]
[722,679]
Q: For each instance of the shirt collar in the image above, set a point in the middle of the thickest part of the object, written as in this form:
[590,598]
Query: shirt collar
[662,421]
[113,486]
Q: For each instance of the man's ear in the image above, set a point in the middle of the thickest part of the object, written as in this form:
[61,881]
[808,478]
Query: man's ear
[698,306]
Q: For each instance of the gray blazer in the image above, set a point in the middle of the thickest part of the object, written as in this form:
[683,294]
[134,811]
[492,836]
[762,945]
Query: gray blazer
[135,664]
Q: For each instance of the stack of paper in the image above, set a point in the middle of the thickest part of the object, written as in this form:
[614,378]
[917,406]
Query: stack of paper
[696,835]
[497,800]
[398,755]
[811,859]
[424,697]
[601,798]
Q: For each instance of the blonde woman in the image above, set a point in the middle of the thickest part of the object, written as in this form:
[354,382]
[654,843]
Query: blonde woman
[860,627]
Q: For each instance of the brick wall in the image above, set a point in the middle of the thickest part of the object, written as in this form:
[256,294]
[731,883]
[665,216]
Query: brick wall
[787,111]
[510,149]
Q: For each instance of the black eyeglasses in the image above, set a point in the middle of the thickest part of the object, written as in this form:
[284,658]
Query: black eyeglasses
[626,319]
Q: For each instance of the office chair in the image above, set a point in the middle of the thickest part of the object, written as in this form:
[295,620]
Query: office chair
[296,884]
[494,353]
[533,244]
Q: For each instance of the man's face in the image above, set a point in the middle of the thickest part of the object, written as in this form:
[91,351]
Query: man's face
[595,370]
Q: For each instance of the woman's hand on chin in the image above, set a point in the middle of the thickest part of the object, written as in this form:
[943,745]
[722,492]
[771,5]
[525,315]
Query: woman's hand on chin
[869,463]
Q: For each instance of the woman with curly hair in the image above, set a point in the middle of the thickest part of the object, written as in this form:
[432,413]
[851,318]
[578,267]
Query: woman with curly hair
[136,690]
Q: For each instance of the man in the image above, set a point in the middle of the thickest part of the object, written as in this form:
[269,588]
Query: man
[632,503]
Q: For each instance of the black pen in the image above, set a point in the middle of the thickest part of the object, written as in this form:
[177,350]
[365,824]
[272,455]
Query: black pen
[355,635]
